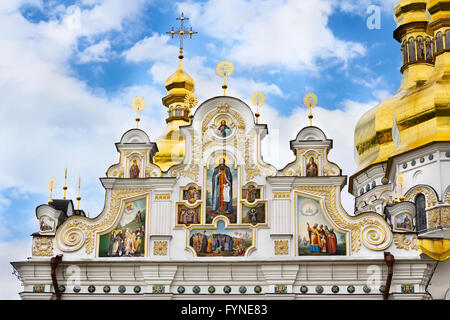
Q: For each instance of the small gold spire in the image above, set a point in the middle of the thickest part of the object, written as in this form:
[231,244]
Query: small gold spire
[50,187]
[65,184]
[79,195]
[310,100]
[258,100]
[401,181]
[138,104]
[224,69]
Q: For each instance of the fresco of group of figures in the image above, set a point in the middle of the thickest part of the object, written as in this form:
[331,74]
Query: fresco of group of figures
[127,239]
[207,242]
[315,235]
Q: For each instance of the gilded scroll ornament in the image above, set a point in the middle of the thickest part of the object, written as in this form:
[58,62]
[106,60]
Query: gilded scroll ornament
[368,228]
[78,231]
[402,242]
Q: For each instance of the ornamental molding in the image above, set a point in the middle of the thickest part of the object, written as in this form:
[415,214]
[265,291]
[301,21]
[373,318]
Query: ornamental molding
[402,241]
[429,193]
[281,247]
[369,228]
[160,248]
[78,231]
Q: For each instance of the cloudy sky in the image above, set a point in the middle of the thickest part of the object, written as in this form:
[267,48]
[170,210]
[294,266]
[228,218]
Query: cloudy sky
[69,70]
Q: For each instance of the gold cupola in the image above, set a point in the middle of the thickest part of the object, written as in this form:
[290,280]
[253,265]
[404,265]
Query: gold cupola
[418,113]
[180,88]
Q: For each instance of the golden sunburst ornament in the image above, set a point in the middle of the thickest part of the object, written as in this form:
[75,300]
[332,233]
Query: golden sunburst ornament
[224,69]
[191,100]
[138,104]
[310,100]
[258,100]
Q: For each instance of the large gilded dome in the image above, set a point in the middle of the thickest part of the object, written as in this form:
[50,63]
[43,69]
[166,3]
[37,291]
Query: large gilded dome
[419,113]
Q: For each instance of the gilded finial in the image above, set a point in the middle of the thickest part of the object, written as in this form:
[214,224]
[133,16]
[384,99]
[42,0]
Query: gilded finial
[401,183]
[224,69]
[138,104]
[65,184]
[51,184]
[79,194]
[310,100]
[181,33]
[258,100]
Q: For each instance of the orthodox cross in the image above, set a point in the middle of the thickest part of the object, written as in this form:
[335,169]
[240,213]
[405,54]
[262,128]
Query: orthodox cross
[181,33]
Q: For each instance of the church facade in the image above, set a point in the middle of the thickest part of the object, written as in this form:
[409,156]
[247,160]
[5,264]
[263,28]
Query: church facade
[200,214]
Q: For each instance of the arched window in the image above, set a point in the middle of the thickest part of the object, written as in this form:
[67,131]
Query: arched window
[412,49]
[404,53]
[374,184]
[447,39]
[420,49]
[421,215]
[361,192]
[439,42]
[178,111]
[429,52]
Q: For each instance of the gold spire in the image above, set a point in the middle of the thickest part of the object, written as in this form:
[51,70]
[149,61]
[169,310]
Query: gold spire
[179,86]
[224,69]
[50,187]
[258,100]
[310,100]
[138,104]
[79,194]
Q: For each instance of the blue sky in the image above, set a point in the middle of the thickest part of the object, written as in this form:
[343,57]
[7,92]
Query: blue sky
[69,70]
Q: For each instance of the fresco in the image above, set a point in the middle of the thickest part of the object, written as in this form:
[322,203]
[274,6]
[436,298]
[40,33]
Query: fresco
[220,242]
[251,194]
[221,189]
[192,194]
[46,223]
[255,214]
[128,238]
[315,235]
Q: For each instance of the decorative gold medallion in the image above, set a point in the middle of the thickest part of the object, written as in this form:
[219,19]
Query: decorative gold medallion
[138,104]
[191,100]
[310,100]
[225,68]
[160,248]
[281,247]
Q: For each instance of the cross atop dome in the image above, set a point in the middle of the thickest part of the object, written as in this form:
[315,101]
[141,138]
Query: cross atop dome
[181,33]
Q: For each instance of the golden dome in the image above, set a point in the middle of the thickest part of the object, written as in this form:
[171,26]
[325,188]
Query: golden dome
[178,85]
[421,107]
[171,144]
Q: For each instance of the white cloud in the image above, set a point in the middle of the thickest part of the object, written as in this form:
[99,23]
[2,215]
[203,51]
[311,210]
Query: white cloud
[154,48]
[96,53]
[291,34]
[17,250]
[359,7]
